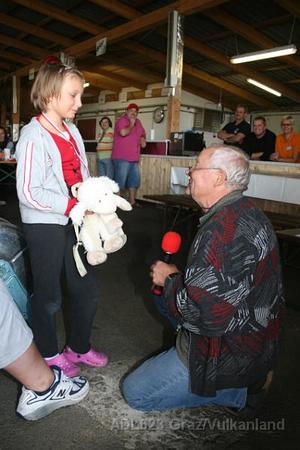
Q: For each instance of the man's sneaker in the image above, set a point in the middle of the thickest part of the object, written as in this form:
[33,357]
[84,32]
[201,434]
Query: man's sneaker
[91,358]
[63,392]
[64,364]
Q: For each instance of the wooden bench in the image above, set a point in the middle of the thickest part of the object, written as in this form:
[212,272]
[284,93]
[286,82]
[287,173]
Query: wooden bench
[282,215]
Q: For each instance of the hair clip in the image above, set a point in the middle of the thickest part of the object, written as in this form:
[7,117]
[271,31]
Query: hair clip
[51,59]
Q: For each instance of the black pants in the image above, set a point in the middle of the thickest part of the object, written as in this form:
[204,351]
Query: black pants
[51,254]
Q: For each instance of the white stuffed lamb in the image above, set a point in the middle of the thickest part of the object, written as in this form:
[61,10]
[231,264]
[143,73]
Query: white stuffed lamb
[100,232]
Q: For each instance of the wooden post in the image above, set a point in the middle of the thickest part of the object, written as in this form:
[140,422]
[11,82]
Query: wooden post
[174,103]
[15,107]
[3,114]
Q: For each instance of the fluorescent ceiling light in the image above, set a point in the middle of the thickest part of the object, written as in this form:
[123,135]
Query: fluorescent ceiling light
[264,54]
[264,87]
[86,84]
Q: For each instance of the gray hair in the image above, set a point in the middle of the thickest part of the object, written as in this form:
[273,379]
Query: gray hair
[235,163]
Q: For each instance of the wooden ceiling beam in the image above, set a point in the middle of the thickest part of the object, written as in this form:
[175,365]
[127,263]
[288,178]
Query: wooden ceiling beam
[35,30]
[131,13]
[124,66]
[143,50]
[118,8]
[219,57]
[97,69]
[247,32]
[229,87]
[143,23]
[5,66]
[116,34]
[200,74]
[102,82]
[260,24]
[295,81]
[202,92]
[290,5]
[91,90]
[60,15]
[11,42]
[16,57]
[275,68]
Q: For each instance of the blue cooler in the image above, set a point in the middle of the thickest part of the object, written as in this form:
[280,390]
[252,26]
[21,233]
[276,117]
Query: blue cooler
[15,267]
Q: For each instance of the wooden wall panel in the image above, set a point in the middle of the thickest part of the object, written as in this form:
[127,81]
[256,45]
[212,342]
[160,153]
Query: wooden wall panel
[156,176]
[156,173]
[87,128]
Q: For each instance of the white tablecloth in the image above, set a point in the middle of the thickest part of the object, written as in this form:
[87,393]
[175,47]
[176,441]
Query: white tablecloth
[269,187]
[179,180]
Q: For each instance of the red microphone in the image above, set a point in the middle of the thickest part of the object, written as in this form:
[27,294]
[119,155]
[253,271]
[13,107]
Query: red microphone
[170,244]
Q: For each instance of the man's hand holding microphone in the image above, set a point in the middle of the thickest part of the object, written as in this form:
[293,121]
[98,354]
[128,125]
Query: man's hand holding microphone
[160,270]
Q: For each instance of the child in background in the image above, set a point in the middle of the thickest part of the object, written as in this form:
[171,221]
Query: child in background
[104,148]
[51,158]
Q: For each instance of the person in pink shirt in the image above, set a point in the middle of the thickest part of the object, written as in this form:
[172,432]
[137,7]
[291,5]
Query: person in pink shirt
[129,137]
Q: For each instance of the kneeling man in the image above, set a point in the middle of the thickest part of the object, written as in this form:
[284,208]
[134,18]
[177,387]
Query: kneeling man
[227,301]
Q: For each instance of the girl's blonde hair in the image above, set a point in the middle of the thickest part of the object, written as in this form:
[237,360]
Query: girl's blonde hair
[48,83]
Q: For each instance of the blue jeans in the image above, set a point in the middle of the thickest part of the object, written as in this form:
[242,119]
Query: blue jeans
[105,168]
[127,173]
[162,382]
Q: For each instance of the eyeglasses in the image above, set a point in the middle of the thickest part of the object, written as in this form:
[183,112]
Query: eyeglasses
[192,169]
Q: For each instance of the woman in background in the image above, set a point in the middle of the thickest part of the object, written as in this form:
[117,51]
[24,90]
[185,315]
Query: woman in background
[5,142]
[287,146]
[104,149]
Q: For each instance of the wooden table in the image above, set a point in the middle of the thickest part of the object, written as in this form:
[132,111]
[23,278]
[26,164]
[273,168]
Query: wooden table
[292,235]
[183,202]
[186,209]
[289,242]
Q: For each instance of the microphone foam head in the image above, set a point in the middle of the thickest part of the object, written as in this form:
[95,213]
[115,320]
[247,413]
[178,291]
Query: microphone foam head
[171,242]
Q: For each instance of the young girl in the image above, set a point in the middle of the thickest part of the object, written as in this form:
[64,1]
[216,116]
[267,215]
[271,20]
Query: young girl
[51,158]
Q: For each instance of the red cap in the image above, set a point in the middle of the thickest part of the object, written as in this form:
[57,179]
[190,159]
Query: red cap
[133,106]
[171,242]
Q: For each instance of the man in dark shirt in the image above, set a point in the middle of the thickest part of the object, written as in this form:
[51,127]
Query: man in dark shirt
[260,144]
[235,132]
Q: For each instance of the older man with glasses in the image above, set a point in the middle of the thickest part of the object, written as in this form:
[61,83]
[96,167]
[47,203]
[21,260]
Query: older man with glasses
[227,301]
[287,146]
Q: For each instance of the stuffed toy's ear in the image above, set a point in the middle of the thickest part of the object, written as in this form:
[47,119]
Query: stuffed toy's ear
[111,184]
[122,203]
[74,189]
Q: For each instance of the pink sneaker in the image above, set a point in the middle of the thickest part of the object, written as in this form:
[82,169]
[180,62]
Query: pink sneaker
[91,358]
[64,364]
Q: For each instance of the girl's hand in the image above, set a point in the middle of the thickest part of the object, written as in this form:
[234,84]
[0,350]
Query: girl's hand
[159,272]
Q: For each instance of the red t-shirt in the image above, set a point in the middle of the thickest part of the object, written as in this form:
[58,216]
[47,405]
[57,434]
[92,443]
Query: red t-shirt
[70,163]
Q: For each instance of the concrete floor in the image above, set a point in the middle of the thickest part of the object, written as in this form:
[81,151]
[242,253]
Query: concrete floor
[128,329]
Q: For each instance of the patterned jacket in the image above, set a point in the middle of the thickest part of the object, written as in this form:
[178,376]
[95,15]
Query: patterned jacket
[230,297]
